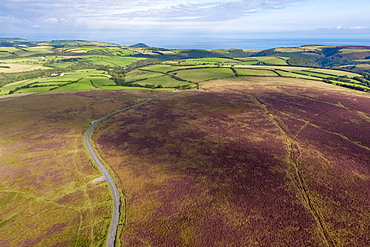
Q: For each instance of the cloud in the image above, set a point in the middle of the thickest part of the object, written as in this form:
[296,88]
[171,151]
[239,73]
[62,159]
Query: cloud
[82,14]
[346,28]
[203,10]
[358,28]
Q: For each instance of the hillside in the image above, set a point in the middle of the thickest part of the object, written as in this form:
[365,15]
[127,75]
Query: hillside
[22,63]
[248,162]
[248,148]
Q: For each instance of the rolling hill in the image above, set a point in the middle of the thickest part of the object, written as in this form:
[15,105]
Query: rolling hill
[255,148]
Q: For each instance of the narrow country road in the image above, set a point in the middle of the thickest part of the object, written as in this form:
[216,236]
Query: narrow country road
[116,198]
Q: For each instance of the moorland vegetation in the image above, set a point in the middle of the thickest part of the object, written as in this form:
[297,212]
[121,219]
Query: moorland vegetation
[273,151]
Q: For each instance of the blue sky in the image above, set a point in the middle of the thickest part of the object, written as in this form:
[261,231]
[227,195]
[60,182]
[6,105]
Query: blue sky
[158,20]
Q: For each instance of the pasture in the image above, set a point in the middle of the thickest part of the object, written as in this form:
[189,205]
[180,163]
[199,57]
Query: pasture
[336,72]
[255,72]
[284,73]
[210,61]
[111,61]
[165,68]
[164,81]
[16,68]
[203,74]
[273,60]
[158,75]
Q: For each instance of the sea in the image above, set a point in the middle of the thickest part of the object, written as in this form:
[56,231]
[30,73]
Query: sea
[198,41]
[260,44]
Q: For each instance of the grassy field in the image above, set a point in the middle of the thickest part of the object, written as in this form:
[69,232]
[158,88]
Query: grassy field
[138,74]
[98,50]
[296,71]
[164,80]
[90,79]
[32,51]
[36,89]
[46,193]
[295,75]
[287,68]
[248,61]
[357,66]
[250,161]
[101,81]
[255,72]
[203,74]
[210,61]
[273,60]
[27,61]
[230,61]
[163,75]
[347,51]
[81,79]
[336,72]
[15,68]
[82,84]
[165,68]
[155,75]
[313,74]
[111,61]
[134,88]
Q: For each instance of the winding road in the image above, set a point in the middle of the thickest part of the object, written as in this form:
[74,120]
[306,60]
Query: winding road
[116,198]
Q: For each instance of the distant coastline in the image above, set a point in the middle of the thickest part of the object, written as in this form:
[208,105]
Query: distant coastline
[198,41]
[260,44]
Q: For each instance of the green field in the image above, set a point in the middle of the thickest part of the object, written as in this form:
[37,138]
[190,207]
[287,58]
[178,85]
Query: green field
[266,60]
[46,80]
[210,61]
[12,86]
[160,75]
[101,81]
[132,88]
[255,72]
[35,89]
[111,61]
[99,50]
[350,85]
[273,60]
[136,75]
[164,80]
[203,74]
[80,85]
[16,68]
[335,72]
[33,51]
[182,66]
[294,75]
[248,61]
[25,60]
[165,68]
[314,74]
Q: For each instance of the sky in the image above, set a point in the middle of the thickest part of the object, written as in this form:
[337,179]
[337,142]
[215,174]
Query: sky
[180,21]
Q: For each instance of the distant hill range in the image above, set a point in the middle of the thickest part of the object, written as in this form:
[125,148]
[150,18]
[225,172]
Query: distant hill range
[355,58]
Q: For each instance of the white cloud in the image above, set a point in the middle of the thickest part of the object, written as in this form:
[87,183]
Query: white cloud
[183,17]
[121,10]
[358,28]
[346,28]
